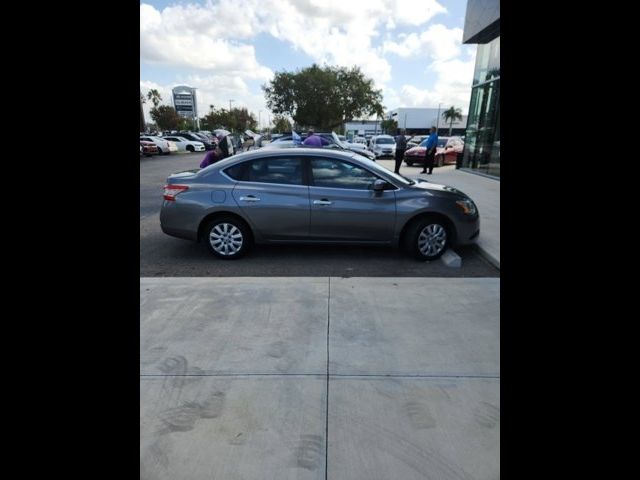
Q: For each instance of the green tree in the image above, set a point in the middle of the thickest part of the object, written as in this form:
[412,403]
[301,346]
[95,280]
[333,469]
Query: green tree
[451,115]
[165,117]
[389,126]
[155,97]
[281,124]
[238,119]
[322,97]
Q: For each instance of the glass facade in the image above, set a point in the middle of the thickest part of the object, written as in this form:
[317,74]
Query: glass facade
[482,138]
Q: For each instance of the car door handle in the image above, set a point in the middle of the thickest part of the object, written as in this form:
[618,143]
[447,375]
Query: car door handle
[322,202]
[249,198]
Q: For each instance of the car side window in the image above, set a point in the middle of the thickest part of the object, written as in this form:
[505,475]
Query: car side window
[238,172]
[338,174]
[286,171]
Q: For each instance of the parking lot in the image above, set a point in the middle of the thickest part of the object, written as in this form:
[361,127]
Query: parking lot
[162,255]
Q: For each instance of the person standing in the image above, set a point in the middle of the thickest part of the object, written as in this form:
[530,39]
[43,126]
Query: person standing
[401,147]
[430,153]
[312,140]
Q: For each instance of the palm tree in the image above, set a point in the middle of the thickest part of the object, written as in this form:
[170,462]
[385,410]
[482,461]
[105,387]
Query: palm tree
[451,115]
[154,96]
[142,124]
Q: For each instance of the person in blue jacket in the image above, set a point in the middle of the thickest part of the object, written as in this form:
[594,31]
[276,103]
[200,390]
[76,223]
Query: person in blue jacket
[430,154]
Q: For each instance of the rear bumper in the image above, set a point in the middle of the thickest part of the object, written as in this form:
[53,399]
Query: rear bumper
[179,233]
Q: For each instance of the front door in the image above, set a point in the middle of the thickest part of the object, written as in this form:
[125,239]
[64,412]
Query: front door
[344,206]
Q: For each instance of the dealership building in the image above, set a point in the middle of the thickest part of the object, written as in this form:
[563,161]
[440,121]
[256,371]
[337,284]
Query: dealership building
[482,139]
[418,121]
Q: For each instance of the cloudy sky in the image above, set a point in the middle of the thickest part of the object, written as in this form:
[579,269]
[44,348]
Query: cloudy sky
[227,49]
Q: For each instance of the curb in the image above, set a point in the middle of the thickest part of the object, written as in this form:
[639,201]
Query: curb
[487,256]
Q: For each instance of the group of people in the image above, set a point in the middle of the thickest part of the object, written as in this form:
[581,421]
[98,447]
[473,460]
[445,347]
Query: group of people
[430,154]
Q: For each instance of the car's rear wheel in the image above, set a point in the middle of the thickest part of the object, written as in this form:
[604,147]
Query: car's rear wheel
[427,238]
[159,151]
[440,161]
[190,148]
[409,162]
[227,237]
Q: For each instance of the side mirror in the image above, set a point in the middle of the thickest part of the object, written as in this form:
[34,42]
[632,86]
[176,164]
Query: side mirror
[379,185]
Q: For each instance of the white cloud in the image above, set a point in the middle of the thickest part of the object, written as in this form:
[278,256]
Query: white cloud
[200,38]
[452,87]
[214,40]
[437,42]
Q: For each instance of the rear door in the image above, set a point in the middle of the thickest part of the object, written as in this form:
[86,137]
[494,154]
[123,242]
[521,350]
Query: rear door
[272,193]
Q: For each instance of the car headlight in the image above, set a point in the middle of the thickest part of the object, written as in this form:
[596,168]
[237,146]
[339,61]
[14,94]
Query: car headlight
[467,206]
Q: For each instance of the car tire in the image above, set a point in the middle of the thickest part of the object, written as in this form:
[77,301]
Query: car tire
[427,238]
[221,235]
[159,151]
[440,161]
[409,163]
[190,148]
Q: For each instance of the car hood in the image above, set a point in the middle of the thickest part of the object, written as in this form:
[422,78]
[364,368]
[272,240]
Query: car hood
[436,187]
[416,151]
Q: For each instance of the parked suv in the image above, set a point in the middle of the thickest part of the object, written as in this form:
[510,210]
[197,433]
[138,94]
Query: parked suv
[383,146]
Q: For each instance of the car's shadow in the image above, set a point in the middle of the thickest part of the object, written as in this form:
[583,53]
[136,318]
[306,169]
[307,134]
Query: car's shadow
[175,257]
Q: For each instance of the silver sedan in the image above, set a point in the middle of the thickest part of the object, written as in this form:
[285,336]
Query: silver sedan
[312,195]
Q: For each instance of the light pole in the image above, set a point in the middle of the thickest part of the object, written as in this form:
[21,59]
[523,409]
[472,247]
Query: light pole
[230,102]
[259,119]
[438,119]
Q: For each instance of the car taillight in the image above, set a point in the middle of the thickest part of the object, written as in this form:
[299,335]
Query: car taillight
[170,191]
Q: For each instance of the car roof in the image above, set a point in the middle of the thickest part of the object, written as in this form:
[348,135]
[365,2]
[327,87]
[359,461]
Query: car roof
[303,151]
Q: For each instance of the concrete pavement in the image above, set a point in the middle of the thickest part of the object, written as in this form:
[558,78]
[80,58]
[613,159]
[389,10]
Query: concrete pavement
[372,378]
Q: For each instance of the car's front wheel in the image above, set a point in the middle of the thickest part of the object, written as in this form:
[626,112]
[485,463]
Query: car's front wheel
[409,162]
[227,237]
[190,148]
[427,238]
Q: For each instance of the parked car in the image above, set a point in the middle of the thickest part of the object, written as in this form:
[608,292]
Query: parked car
[383,146]
[186,145]
[313,195]
[446,152]
[334,142]
[208,144]
[415,140]
[164,145]
[148,148]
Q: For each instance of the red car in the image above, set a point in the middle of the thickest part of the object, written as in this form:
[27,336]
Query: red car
[148,148]
[446,152]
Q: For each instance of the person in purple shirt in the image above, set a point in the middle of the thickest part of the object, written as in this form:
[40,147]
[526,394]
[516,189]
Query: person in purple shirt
[430,152]
[314,140]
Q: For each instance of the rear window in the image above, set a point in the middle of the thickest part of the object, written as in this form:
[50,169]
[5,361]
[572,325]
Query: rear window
[237,172]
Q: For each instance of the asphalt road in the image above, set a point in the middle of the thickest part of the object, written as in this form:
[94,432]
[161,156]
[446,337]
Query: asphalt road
[162,255]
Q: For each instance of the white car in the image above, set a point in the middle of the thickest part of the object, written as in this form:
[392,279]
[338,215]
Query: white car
[164,145]
[185,145]
[383,146]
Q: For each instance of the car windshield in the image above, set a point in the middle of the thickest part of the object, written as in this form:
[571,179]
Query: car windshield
[442,142]
[384,140]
